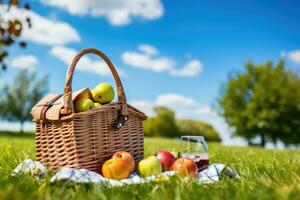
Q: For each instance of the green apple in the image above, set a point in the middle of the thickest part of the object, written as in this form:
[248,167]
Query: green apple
[84,94]
[97,105]
[84,105]
[149,166]
[103,93]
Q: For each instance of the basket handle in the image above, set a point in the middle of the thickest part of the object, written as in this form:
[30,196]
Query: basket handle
[68,104]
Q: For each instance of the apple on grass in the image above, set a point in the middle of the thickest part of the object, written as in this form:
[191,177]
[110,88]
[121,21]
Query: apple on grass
[166,158]
[115,168]
[185,167]
[127,157]
[103,93]
[83,105]
[149,166]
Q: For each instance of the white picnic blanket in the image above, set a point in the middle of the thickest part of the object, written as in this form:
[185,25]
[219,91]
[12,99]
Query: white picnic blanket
[211,174]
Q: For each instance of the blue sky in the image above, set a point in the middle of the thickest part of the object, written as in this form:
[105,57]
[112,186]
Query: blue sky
[174,53]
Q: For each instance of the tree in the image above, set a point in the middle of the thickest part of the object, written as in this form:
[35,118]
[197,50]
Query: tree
[264,102]
[17,99]
[11,28]
[195,127]
[164,124]
[161,125]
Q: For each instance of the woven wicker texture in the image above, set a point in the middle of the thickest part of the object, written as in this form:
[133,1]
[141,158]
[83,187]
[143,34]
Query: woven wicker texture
[88,139]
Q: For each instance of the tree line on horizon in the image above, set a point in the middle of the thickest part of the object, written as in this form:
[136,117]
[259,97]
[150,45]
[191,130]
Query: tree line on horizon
[164,124]
[260,103]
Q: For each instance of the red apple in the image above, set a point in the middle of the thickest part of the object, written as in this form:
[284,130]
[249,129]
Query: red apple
[166,159]
[185,166]
[127,157]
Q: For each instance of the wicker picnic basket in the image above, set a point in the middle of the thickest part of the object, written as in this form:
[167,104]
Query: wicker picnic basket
[87,139]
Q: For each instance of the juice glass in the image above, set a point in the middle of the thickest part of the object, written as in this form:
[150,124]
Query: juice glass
[195,148]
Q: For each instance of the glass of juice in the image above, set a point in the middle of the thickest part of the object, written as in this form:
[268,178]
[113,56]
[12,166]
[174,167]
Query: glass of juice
[195,148]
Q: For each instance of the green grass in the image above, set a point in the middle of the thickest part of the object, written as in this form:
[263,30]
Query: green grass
[265,174]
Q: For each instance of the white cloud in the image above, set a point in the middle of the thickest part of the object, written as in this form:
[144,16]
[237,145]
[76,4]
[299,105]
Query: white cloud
[119,17]
[294,56]
[185,107]
[189,69]
[189,108]
[24,62]
[66,55]
[148,58]
[144,105]
[117,12]
[145,61]
[43,30]
[148,49]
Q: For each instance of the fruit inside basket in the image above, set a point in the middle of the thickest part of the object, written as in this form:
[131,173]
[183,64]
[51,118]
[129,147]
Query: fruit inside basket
[83,100]
[95,98]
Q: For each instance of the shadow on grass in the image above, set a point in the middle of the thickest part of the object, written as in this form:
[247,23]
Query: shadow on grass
[25,134]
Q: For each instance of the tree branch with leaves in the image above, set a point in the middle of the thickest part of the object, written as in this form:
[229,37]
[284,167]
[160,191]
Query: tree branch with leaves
[11,29]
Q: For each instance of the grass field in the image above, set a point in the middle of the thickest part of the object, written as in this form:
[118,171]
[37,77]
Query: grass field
[265,174]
